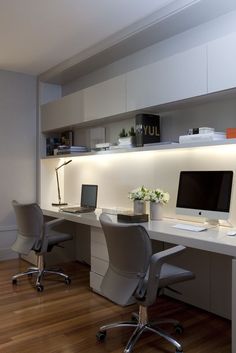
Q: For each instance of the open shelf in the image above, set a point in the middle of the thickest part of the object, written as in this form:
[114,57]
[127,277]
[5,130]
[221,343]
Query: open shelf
[155,147]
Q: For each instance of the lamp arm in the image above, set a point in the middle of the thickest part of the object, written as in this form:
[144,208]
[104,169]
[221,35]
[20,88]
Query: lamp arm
[58,185]
[65,163]
[58,188]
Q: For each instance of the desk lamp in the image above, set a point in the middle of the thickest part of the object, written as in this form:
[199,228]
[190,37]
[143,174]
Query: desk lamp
[58,185]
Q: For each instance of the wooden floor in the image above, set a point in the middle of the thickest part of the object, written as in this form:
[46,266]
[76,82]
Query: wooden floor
[65,319]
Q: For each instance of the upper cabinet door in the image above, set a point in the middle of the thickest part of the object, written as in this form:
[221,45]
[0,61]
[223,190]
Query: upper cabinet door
[222,63]
[63,113]
[105,99]
[180,76]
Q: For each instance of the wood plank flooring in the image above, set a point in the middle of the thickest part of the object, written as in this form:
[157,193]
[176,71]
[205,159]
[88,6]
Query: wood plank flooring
[65,319]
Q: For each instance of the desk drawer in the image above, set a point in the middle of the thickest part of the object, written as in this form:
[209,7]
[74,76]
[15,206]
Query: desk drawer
[99,250]
[99,266]
[95,281]
[97,236]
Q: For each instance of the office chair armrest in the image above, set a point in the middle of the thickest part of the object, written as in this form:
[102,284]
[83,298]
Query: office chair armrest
[47,227]
[156,263]
[163,255]
[51,224]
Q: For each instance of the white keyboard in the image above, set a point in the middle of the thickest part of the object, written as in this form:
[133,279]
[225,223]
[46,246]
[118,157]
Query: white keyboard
[189,227]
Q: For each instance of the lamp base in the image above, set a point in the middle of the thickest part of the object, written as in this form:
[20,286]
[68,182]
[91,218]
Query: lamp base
[60,204]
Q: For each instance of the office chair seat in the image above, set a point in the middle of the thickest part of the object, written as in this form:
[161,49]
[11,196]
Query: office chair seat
[134,272]
[55,238]
[39,236]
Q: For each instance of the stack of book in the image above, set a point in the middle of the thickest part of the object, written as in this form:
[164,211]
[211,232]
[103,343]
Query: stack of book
[211,136]
[64,149]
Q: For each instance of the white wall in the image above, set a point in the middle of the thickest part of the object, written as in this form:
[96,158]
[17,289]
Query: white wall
[17,149]
[49,92]
[117,174]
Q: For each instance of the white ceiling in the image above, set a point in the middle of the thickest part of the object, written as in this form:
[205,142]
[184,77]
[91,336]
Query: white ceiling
[36,35]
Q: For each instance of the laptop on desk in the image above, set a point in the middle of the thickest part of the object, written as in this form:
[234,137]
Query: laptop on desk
[88,202]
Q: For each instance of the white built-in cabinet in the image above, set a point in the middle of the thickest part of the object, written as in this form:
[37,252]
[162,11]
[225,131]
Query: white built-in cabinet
[105,99]
[99,258]
[178,77]
[221,63]
[195,72]
[206,291]
[62,113]
[211,288]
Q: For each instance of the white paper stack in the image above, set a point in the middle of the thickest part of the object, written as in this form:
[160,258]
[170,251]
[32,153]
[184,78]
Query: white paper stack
[211,136]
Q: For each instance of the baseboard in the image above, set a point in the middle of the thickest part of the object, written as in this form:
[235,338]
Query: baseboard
[7,254]
[8,228]
[7,237]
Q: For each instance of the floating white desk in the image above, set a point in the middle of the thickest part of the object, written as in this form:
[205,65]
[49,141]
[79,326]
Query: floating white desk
[213,240]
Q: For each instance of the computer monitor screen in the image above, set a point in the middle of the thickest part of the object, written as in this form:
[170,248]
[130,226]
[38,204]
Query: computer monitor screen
[205,194]
[89,196]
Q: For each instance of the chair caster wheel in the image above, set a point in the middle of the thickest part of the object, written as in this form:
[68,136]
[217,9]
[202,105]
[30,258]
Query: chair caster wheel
[101,335]
[39,288]
[14,281]
[179,330]
[67,280]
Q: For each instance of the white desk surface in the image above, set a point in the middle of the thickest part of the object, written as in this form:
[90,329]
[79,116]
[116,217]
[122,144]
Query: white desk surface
[214,239]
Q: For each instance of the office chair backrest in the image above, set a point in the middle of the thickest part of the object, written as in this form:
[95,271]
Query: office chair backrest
[129,249]
[29,219]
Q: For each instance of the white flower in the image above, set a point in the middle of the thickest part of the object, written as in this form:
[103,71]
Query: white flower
[140,193]
[144,194]
[158,195]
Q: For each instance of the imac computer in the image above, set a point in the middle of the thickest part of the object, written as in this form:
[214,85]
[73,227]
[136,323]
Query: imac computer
[205,194]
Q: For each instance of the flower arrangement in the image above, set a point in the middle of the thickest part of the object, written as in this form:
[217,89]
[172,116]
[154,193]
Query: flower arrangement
[158,195]
[153,195]
[141,193]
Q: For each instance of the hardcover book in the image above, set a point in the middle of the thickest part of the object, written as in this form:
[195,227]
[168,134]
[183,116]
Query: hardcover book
[147,129]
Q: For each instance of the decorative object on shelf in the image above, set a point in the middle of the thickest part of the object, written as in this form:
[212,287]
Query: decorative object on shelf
[51,144]
[200,130]
[67,138]
[102,146]
[231,133]
[206,130]
[127,139]
[158,198]
[193,131]
[147,129]
[123,133]
[58,185]
[139,196]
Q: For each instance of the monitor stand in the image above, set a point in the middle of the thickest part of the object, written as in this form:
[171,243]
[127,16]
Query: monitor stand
[212,222]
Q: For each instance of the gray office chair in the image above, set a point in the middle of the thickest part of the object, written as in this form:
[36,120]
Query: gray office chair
[134,271]
[34,234]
